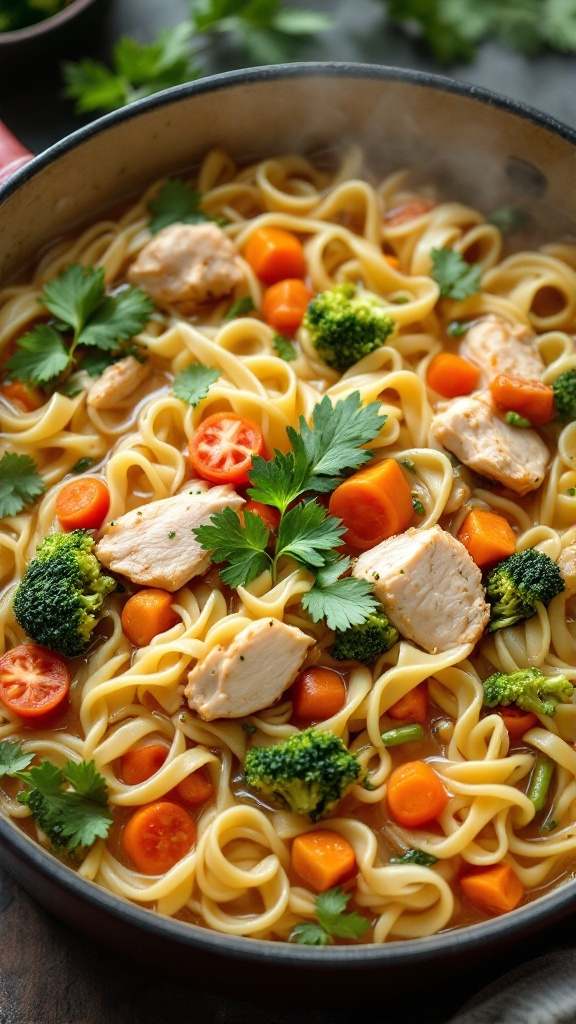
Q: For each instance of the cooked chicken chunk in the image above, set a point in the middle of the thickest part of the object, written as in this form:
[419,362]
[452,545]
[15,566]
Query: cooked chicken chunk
[186,265]
[429,586]
[154,545]
[250,674]
[567,566]
[117,382]
[498,347]
[471,428]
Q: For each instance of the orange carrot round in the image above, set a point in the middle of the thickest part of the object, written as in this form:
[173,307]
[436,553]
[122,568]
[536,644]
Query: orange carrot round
[26,394]
[317,694]
[375,503]
[412,707]
[415,794]
[494,890]
[138,765]
[83,504]
[451,376]
[487,536]
[274,254]
[285,303]
[529,398]
[146,614]
[157,836]
[196,788]
[516,720]
[323,859]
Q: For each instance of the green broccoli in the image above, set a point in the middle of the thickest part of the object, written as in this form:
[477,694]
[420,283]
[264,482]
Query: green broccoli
[346,323]
[366,642]
[61,592]
[515,584]
[309,773]
[529,689]
[565,395]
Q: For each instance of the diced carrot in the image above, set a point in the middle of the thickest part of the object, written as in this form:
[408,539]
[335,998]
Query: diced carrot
[529,398]
[408,211]
[285,303]
[26,394]
[412,707]
[516,720]
[317,694]
[138,765]
[487,537]
[146,614]
[157,836]
[391,260]
[196,788]
[274,254]
[415,794]
[451,376]
[323,859]
[375,503]
[269,515]
[494,890]
[82,504]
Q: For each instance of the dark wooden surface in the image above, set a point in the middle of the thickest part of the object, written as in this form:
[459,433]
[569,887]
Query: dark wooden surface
[48,973]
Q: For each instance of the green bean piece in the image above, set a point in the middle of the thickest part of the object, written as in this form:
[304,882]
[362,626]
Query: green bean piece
[540,779]
[403,734]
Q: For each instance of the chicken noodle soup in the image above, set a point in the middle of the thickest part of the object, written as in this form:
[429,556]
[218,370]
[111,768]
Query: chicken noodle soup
[306,439]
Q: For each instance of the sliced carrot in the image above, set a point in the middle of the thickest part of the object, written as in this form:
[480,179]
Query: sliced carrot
[146,614]
[529,398]
[270,516]
[285,303]
[26,394]
[157,836]
[317,694]
[323,859]
[391,260]
[408,211]
[451,376]
[196,788]
[138,765]
[487,537]
[274,254]
[375,503]
[83,504]
[415,794]
[516,720]
[412,707]
[494,890]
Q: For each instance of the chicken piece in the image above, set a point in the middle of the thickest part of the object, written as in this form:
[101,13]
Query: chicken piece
[154,545]
[117,382]
[499,347]
[186,265]
[567,566]
[429,586]
[249,674]
[472,430]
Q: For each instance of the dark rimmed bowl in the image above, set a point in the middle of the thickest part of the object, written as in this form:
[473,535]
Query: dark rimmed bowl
[478,147]
[51,38]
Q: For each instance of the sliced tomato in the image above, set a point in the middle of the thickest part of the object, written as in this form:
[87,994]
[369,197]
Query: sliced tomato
[407,211]
[33,681]
[269,515]
[223,446]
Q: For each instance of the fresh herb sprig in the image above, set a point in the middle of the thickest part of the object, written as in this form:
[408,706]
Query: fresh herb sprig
[332,921]
[85,317]
[193,383]
[457,278]
[72,818]
[20,483]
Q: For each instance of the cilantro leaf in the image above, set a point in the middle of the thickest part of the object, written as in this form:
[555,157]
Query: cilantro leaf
[12,758]
[284,348]
[330,911]
[242,545]
[307,534]
[193,383]
[343,602]
[93,86]
[70,818]
[176,203]
[279,480]
[414,856]
[20,483]
[239,308]
[40,356]
[308,933]
[117,318]
[74,294]
[457,278]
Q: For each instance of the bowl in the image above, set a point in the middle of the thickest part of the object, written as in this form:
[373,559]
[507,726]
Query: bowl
[477,145]
[52,38]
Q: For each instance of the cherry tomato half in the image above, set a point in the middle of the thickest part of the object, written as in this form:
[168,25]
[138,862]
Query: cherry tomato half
[33,680]
[222,448]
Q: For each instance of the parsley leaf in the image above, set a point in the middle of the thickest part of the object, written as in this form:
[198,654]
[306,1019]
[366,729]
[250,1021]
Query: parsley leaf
[308,933]
[71,818]
[333,921]
[117,318]
[193,383]
[40,356]
[284,348]
[343,602]
[514,419]
[176,203]
[20,483]
[414,856]
[239,308]
[417,505]
[242,545]
[457,278]
[83,465]
[306,534]
[74,294]
[12,758]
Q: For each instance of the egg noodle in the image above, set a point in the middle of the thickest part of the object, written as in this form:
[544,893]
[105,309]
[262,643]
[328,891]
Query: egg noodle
[237,879]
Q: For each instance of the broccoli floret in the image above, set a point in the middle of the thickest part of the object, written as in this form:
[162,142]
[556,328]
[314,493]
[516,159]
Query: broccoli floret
[515,584]
[61,593]
[346,323]
[309,773]
[366,642]
[529,689]
[565,395]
